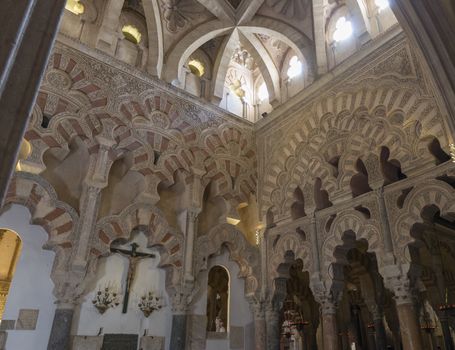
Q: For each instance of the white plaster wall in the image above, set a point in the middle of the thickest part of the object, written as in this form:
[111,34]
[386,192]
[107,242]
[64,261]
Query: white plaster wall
[193,84]
[387,18]
[113,270]
[31,287]
[231,102]
[240,314]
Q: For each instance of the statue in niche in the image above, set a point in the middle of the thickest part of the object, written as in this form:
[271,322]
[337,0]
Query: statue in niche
[217,299]
[219,325]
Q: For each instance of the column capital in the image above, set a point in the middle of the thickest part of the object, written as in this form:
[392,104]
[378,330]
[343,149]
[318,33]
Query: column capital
[180,300]
[376,310]
[193,213]
[329,301]
[258,309]
[401,287]
[69,288]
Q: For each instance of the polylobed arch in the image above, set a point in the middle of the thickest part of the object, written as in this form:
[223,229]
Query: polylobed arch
[300,248]
[335,112]
[57,218]
[361,228]
[159,234]
[240,251]
[432,193]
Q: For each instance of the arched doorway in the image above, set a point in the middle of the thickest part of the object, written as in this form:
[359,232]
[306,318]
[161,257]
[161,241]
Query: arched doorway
[10,249]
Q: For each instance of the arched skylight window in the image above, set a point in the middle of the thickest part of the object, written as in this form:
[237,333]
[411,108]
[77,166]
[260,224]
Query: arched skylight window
[263,94]
[343,29]
[75,7]
[382,4]
[295,67]
[132,34]
[196,67]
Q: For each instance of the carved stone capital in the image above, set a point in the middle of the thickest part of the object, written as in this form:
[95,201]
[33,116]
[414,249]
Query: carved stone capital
[329,304]
[328,295]
[258,309]
[271,313]
[181,297]
[193,213]
[401,287]
[69,288]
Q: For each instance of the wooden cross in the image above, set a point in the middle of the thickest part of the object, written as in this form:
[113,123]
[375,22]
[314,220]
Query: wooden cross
[134,257]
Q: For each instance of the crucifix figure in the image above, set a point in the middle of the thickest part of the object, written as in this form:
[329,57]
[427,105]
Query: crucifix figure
[133,259]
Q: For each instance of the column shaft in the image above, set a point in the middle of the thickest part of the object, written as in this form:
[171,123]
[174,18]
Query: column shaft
[409,327]
[59,338]
[178,332]
[330,331]
[89,204]
[259,334]
[380,335]
[273,330]
[448,342]
[191,227]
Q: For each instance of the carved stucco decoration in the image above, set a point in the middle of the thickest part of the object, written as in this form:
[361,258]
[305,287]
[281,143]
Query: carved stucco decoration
[163,131]
[229,157]
[430,193]
[353,221]
[177,13]
[56,217]
[290,241]
[349,136]
[152,221]
[369,84]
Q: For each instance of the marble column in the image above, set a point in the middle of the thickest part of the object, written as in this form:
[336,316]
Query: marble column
[380,335]
[259,326]
[178,332]
[191,227]
[59,338]
[371,338]
[179,302]
[273,328]
[409,326]
[89,202]
[329,325]
[448,341]
[28,30]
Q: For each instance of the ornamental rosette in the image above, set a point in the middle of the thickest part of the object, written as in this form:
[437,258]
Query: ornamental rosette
[177,13]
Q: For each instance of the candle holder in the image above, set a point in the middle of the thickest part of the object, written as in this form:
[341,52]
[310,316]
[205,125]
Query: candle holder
[106,298]
[149,303]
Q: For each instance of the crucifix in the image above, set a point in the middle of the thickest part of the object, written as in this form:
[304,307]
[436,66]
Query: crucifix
[133,259]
